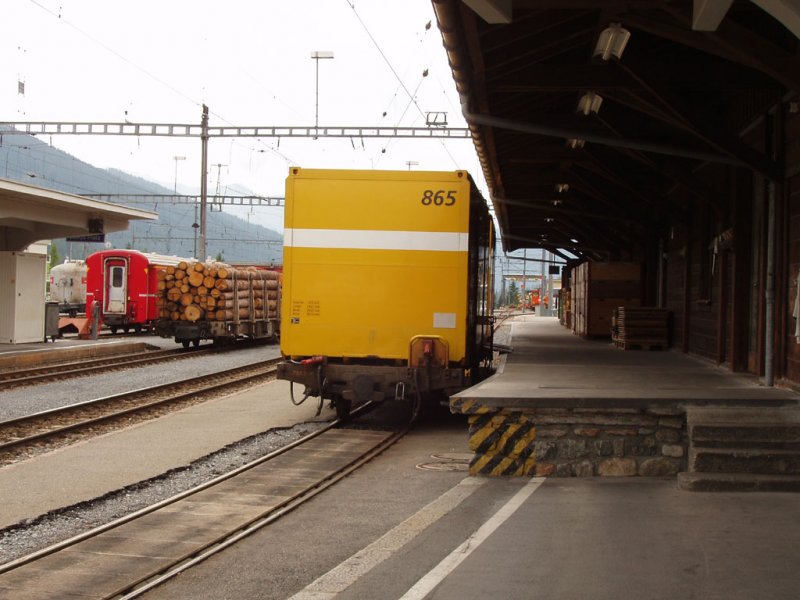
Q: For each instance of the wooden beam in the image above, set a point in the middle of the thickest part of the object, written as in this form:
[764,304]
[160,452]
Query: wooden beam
[547,77]
[731,42]
[720,140]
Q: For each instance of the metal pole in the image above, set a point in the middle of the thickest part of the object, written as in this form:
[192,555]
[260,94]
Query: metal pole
[318,55]
[769,317]
[525,255]
[316,95]
[177,158]
[660,274]
[195,227]
[545,287]
[203,183]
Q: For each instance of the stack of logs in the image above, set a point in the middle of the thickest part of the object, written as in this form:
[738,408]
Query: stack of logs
[196,291]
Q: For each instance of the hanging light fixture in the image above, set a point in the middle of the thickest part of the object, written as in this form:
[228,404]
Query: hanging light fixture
[562,188]
[589,103]
[612,42]
[575,143]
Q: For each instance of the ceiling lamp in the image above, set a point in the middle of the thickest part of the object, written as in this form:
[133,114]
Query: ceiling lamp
[549,219]
[612,42]
[589,103]
[575,143]
[555,202]
[562,188]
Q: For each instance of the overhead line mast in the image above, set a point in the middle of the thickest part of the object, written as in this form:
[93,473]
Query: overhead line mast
[205,132]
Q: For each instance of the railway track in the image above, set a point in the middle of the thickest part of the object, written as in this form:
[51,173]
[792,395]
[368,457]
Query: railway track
[40,432]
[48,373]
[134,554]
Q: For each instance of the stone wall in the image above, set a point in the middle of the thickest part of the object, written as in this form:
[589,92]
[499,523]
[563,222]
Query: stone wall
[579,442]
[613,443]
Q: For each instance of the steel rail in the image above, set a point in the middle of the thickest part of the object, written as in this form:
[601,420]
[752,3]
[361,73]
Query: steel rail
[33,556]
[204,549]
[266,368]
[291,504]
[78,368]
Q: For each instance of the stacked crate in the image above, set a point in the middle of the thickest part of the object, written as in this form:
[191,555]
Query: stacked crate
[599,288]
[565,307]
[641,328]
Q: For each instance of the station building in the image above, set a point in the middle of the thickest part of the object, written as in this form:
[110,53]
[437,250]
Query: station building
[664,135]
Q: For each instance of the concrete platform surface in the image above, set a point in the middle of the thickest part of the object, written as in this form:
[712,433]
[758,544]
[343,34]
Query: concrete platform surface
[91,469]
[69,349]
[550,367]
[395,530]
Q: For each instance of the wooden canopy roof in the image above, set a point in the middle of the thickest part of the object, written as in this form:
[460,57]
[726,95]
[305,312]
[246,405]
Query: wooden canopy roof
[690,80]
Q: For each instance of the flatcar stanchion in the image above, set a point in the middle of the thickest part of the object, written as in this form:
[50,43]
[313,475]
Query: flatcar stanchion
[95,325]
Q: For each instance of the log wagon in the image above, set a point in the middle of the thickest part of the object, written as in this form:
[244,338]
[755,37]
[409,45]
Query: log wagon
[215,301]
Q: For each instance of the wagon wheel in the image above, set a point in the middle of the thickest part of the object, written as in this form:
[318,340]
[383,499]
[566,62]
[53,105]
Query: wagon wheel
[137,329]
[196,343]
[185,343]
[113,329]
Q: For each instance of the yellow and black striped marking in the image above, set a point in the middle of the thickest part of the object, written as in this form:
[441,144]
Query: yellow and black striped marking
[465,406]
[503,442]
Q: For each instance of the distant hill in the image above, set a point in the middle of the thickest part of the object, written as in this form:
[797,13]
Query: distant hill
[27,159]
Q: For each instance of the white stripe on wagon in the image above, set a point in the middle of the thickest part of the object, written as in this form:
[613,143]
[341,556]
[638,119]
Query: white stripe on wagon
[357,239]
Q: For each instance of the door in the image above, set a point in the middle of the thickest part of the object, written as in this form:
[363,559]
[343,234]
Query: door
[116,286]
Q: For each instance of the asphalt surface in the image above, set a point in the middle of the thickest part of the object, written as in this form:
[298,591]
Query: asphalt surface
[569,538]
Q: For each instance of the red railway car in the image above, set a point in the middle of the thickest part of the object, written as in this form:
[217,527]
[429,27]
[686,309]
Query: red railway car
[122,286]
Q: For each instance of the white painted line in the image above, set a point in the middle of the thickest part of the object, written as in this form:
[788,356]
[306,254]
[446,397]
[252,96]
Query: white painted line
[345,574]
[436,575]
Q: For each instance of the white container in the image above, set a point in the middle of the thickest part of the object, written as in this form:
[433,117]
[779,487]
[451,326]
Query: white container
[68,284]
[22,297]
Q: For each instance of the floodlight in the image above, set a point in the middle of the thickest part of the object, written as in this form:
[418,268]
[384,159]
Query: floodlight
[589,103]
[612,42]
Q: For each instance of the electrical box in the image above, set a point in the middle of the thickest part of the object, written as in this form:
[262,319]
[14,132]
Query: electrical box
[22,297]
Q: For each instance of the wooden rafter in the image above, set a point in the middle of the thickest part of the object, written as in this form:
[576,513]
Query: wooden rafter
[717,139]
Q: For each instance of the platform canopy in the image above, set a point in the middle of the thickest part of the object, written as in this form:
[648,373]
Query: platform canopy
[29,214]
[596,123]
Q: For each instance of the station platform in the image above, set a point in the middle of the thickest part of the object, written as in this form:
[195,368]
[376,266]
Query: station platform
[602,410]
[14,356]
[550,367]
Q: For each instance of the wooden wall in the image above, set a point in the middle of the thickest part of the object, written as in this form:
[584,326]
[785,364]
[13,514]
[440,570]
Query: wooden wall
[792,194]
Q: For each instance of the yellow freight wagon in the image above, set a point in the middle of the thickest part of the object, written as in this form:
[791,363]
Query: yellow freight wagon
[386,284]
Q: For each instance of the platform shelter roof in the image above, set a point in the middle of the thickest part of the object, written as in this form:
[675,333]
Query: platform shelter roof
[30,214]
[597,123]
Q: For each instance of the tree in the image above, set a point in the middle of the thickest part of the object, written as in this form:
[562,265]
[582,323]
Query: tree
[55,257]
[218,257]
[513,293]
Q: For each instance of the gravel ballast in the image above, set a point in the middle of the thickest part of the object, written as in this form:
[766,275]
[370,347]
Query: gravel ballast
[62,524]
[31,535]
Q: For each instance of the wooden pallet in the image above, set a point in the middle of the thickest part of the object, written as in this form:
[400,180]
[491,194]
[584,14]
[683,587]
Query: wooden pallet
[640,328]
[641,344]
